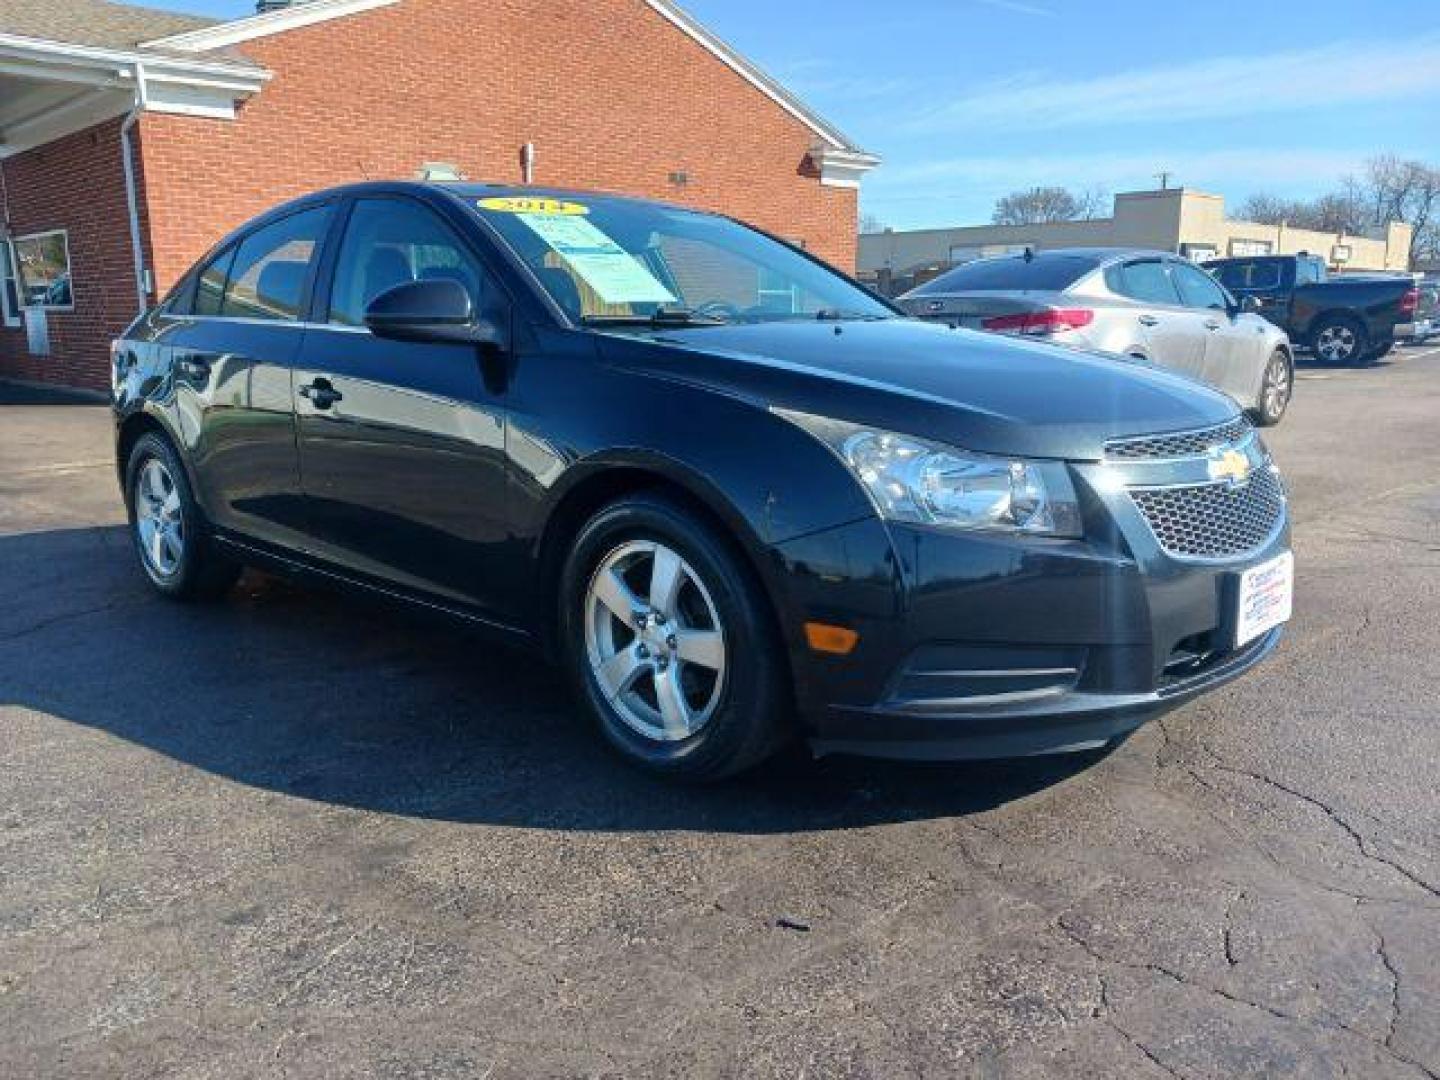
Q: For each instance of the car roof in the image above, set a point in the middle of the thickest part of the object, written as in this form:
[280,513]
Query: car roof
[469,189]
[1099,254]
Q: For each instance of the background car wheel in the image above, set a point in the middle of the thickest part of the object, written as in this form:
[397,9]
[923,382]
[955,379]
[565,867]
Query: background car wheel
[171,538]
[1340,340]
[1275,389]
[669,641]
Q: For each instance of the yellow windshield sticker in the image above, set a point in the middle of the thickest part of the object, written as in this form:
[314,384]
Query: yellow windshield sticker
[524,204]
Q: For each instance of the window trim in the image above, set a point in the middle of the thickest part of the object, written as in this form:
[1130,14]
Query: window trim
[322,295]
[69,266]
[9,271]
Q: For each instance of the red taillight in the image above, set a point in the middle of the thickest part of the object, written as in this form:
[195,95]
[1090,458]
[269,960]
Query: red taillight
[1410,302]
[1040,322]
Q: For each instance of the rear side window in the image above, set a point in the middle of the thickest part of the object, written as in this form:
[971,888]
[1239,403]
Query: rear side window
[210,287]
[1148,282]
[1250,276]
[1042,272]
[1197,288]
[266,278]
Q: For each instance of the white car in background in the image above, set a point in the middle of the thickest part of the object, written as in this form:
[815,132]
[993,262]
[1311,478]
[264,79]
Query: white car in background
[1151,305]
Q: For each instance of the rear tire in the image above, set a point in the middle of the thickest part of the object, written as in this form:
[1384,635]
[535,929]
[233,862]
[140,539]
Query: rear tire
[172,539]
[1339,339]
[687,681]
[1276,387]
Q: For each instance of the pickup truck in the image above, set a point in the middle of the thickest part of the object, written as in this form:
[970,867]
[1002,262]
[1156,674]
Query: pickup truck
[1342,320]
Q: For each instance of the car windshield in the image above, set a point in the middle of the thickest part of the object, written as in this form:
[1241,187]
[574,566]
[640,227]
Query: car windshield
[609,261]
[1039,272]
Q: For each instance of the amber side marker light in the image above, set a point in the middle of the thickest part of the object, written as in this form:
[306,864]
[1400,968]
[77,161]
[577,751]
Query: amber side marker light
[837,640]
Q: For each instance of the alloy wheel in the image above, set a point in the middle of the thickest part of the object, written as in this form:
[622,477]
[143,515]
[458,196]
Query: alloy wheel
[1277,387]
[654,641]
[159,521]
[1337,342]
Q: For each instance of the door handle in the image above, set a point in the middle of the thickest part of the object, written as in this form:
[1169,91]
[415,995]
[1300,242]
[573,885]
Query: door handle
[1149,320]
[193,368]
[321,394]
[1211,324]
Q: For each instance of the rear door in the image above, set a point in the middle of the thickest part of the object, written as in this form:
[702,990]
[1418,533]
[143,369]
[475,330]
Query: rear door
[232,346]
[1174,335]
[402,444]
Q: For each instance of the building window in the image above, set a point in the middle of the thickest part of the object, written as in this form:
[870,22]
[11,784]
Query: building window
[42,261]
[1246,248]
[9,287]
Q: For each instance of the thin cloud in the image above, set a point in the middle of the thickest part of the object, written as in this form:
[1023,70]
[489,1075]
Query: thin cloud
[1345,73]
[1017,6]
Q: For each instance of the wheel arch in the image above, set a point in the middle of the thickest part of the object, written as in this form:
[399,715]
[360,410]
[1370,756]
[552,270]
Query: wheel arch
[604,482]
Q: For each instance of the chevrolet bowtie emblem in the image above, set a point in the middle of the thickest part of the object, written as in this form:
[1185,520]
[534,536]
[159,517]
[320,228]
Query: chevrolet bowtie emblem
[1229,464]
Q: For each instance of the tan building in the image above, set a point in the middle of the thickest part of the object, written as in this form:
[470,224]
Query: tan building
[1191,223]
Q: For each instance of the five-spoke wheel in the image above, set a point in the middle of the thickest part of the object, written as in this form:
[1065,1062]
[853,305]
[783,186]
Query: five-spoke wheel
[671,641]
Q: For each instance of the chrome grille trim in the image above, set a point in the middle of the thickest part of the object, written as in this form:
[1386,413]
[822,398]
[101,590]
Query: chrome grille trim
[1178,444]
[1214,521]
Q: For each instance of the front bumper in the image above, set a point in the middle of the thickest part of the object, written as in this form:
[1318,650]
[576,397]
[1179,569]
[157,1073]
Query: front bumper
[983,647]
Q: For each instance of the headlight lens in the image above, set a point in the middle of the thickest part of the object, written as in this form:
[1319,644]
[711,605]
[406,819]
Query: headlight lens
[914,480]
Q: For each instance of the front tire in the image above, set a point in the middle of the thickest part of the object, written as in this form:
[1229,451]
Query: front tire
[669,642]
[1276,387]
[171,538]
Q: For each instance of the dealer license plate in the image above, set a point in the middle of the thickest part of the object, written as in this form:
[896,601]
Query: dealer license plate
[1266,595]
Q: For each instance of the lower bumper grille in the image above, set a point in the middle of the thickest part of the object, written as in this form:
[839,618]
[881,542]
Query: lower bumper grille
[1214,521]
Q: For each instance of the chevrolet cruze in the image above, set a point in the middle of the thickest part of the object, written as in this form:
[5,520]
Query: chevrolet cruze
[738,498]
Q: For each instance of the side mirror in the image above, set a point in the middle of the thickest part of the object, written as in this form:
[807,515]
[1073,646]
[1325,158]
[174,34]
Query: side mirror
[1249,305]
[438,310]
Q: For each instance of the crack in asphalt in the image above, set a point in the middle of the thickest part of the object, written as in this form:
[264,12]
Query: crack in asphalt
[53,620]
[1107,1014]
[1383,1044]
[1358,838]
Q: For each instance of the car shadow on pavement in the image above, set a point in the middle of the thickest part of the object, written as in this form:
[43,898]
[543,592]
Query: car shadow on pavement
[325,697]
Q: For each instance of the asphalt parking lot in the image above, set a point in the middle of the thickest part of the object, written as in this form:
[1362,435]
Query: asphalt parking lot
[295,835]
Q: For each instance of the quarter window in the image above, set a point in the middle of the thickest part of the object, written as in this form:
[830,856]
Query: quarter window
[389,242]
[42,264]
[266,277]
[210,286]
[1197,288]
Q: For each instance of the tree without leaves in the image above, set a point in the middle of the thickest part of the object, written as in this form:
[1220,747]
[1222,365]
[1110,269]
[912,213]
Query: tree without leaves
[1040,205]
[1391,189]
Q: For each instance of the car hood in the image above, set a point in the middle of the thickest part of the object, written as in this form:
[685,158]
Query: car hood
[982,392]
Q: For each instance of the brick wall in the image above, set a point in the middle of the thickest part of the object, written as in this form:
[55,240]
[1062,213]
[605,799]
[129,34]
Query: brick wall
[612,95]
[78,184]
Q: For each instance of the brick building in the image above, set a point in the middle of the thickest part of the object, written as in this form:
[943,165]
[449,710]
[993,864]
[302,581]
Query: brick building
[132,139]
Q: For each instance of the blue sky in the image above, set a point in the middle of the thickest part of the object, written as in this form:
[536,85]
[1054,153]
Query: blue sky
[968,99]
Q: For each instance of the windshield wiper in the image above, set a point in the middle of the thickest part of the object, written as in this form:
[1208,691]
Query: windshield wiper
[672,316]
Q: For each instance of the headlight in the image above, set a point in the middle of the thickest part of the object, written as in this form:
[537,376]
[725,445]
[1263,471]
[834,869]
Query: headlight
[910,479]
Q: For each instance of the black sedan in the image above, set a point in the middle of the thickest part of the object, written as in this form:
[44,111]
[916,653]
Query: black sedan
[735,495]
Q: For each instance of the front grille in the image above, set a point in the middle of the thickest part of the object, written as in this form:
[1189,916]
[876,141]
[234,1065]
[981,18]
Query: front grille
[1214,521]
[1179,444]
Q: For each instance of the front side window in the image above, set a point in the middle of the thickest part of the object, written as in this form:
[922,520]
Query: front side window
[1148,282]
[608,259]
[42,264]
[266,277]
[390,242]
[1197,288]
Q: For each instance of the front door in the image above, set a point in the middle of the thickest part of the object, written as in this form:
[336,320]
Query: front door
[402,444]
[1232,344]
